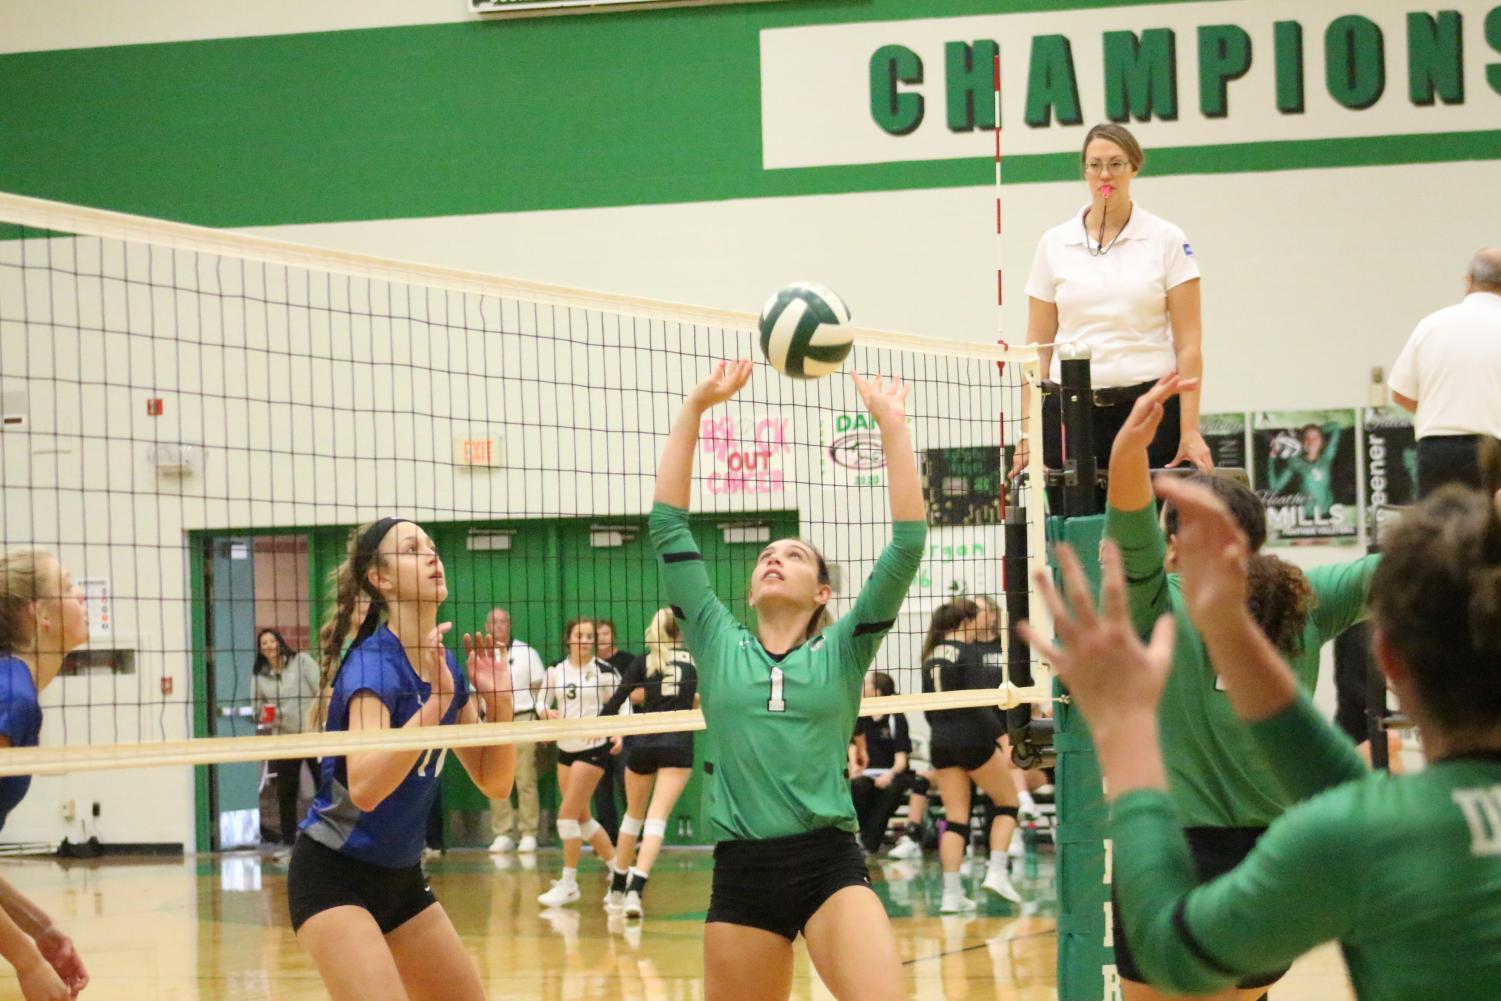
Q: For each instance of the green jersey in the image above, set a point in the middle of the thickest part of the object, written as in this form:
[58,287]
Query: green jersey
[1217,776]
[778,727]
[1404,871]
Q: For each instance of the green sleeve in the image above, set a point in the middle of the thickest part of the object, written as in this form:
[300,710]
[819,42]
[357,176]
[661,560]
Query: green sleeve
[881,598]
[1342,590]
[1293,892]
[1305,752]
[1143,550]
[1279,474]
[685,578]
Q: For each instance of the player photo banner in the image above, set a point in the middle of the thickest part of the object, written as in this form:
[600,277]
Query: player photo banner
[962,486]
[1225,434]
[1305,472]
[1391,465]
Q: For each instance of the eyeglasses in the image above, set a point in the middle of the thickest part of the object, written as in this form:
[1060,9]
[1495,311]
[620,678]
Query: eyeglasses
[1115,166]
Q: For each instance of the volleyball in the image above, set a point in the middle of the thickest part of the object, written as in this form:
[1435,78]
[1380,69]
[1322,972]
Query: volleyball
[804,331]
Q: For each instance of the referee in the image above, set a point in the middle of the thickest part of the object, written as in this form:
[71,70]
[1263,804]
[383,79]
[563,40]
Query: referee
[1449,376]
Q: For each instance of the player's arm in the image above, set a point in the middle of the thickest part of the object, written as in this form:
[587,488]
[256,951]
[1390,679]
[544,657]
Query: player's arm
[374,775]
[1342,591]
[1131,510]
[675,471]
[881,596]
[492,768]
[51,942]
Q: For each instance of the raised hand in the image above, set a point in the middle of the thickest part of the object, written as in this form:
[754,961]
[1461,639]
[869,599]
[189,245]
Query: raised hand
[1193,448]
[1146,414]
[727,379]
[1212,554]
[435,661]
[489,670]
[1110,674]
[887,402]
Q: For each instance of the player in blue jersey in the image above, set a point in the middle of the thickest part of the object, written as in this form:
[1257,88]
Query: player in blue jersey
[42,617]
[359,902]
[781,702]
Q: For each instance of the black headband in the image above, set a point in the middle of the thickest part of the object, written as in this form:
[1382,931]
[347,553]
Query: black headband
[364,552]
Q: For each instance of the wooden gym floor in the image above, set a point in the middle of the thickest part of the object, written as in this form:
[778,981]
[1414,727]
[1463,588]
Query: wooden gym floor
[215,927]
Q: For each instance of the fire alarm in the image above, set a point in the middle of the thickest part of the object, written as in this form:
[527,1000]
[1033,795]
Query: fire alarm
[154,407]
[166,686]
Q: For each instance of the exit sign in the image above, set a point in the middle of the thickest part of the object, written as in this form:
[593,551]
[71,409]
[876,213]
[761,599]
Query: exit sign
[583,6]
[476,452]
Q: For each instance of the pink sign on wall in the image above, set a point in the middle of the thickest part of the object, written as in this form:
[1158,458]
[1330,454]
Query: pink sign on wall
[745,455]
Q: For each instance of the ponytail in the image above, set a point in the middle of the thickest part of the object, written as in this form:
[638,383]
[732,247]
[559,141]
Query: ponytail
[946,618]
[349,583]
[662,637]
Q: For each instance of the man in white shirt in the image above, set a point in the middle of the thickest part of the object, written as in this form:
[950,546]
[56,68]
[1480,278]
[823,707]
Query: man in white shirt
[527,676]
[1449,375]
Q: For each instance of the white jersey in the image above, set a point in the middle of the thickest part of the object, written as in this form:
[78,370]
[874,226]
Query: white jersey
[579,693]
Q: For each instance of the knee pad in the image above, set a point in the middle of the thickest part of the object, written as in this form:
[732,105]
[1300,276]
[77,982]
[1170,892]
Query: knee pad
[960,829]
[587,830]
[569,830]
[631,825]
[657,827]
[920,786]
[1002,811]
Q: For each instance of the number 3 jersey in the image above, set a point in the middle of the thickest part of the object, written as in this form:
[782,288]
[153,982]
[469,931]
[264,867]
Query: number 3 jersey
[391,835]
[778,726]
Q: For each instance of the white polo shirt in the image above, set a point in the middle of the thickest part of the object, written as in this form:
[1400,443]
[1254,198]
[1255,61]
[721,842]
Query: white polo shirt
[1116,303]
[528,674]
[1452,367]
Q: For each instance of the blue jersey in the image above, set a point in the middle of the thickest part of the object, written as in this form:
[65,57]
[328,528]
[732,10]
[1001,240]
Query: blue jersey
[21,721]
[391,835]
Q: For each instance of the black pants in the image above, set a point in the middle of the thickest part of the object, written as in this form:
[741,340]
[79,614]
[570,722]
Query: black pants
[874,806]
[1108,420]
[1448,459]
[288,782]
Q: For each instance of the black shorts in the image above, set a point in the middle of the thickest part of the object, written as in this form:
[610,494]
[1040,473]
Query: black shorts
[646,760]
[1215,851]
[319,878]
[968,758]
[778,884]
[599,757]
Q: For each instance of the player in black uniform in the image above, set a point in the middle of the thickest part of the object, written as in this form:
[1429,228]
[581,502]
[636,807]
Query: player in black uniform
[658,765]
[963,749]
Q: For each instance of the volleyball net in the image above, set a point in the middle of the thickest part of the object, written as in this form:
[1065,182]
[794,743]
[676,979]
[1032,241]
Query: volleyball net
[194,421]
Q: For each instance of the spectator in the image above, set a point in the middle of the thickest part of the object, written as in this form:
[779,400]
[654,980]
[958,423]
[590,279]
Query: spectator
[527,674]
[885,779]
[286,690]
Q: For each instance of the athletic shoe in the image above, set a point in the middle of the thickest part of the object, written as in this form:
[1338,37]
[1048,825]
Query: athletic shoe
[560,894]
[614,901]
[905,847]
[956,903]
[503,843]
[632,905]
[527,846]
[998,881]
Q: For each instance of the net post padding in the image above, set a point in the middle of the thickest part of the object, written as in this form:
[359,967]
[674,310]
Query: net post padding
[55,760]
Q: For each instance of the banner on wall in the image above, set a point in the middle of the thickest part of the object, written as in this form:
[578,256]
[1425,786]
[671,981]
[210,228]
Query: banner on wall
[745,455]
[849,449]
[1391,465]
[1225,434]
[1218,75]
[962,486]
[1305,472]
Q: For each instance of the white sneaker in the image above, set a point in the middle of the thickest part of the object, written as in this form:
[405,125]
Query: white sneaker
[614,901]
[528,845]
[502,843]
[956,903]
[1018,846]
[560,894]
[632,905]
[998,881]
[905,847]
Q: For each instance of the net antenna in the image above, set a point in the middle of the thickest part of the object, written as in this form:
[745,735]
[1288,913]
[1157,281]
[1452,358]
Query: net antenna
[177,395]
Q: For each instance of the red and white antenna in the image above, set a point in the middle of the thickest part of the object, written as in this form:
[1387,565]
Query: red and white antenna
[1000,285]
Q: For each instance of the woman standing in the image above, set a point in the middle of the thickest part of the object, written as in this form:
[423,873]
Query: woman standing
[42,618]
[964,750]
[657,765]
[359,902]
[286,683]
[781,702]
[577,687]
[1124,282]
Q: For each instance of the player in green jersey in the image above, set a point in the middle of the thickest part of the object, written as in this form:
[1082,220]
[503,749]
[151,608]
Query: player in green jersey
[781,702]
[1404,871]
[1221,787]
